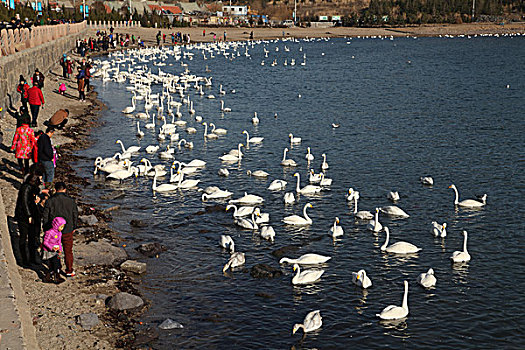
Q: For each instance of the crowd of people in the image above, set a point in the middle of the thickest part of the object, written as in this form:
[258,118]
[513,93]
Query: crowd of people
[46,216]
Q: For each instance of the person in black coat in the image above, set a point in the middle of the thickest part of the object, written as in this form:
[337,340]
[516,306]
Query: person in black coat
[28,217]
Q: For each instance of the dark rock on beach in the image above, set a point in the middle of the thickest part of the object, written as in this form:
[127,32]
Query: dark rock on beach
[125,301]
[151,249]
[87,321]
[99,253]
[145,336]
[265,271]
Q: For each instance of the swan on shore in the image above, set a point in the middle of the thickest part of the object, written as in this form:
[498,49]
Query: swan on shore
[299,220]
[394,312]
[312,322]
[360,279]
[468,203]
[427,279]
[461,256]
[398,247]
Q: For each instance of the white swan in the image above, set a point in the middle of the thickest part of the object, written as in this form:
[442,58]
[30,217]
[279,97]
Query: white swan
[267,232]
[393,196]
[312,322]
[287,162]
[152,124]
[225,109]
[163,187]
[314,178]
[236,259]
[219,194]
[229,157]
[122,174]
[362,214]
[196,163]
[393,312]
[309,156]
[398,247]
[427,279]
[257,173]
[130,149]
[227,243]
[277,185]
[191,130]
[308,189]
[427,180]
[360,279]
[392,210]
[325,181]
[439,230]
[252,139]
[248,199]
[299,220]
[218,131]
[289,198]
[255,119]
[140,133]
[209,136]
[152,149]
[324,165]
[375,225]
[129,110]
[261,218]
[186,183]
[468,203]
[305,277]
[294,140]
[461,256]
[336,230]
[240,212]
[223,172]
[249,224]
[306,259]
[352,194]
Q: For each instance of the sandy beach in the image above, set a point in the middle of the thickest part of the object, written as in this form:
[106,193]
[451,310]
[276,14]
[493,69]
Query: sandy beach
[55,323]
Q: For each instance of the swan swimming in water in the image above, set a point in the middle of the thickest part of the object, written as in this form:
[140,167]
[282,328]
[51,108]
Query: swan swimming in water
[240,212]
[257,173]
[461,256]
[299,220]
[468,203]
[309,156]
[313,321]
[130,149]
[289,198]
[306,259]
[324,165]
[439,230]
[427,180]
[352,194]
[252,139]
[392,210]
[375,225]
[360,279]
[393,196]
[362,214]
[267,232]
[236,259]
[398,247]
[227,243]
[287,162]
[277,185]
[294,140]
[308,189]
[336,230]
[394,312]
[305,277]
[427,279]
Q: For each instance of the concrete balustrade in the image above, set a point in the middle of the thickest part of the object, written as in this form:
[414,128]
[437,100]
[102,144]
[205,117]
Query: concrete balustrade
[16,40]
[105,25]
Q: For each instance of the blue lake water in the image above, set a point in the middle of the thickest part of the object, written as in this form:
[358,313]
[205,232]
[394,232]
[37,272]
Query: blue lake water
[407,108]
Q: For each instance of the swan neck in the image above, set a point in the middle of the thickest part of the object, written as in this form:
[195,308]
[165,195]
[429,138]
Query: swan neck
[284,155]
[298,188]
[456,201]
[355,205]
[305,214]
[383,247]
[405,298]
[465,244]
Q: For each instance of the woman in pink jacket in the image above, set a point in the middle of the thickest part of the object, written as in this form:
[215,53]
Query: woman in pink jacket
[51,249]
[23,144]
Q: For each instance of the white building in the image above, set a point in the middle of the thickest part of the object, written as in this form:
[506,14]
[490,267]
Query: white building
[235,10]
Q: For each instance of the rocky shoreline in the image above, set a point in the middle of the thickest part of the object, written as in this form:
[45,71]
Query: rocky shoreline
[101,306]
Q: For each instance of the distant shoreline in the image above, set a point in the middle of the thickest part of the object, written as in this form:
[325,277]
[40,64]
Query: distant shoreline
[236,34]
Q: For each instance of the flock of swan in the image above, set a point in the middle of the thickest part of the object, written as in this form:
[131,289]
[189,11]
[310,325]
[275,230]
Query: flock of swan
[163,117]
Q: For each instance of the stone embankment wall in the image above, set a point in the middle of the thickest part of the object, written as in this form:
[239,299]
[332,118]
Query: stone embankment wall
[39,49]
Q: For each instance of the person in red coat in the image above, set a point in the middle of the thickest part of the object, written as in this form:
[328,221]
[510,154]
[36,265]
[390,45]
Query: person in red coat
[36,99]
[22,89]
[23,144]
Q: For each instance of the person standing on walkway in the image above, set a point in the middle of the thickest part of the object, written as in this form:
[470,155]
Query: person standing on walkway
[62,205]
[35,99]
[38,78]
[22,89]
[159,35]
[23,144]
[46,156]
[26,214]
[63,64]
[81,83]
[69,66]
[224,35]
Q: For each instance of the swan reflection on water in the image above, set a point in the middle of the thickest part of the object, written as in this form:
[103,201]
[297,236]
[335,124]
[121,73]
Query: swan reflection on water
[399,325]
